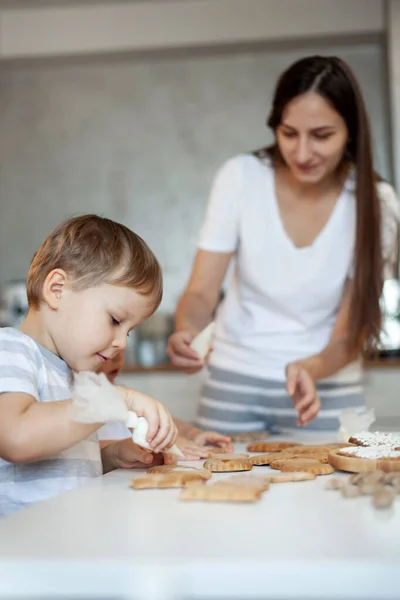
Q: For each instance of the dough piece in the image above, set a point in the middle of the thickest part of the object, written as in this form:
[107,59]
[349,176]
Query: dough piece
[390,478]
[383,498]
[350,491]
[172,479]
[219,492]
[368,489]
[269,446]
[223,466]
[202,341]
[373,478]
[356,478]
[335,483]
[304,464]
[290,476]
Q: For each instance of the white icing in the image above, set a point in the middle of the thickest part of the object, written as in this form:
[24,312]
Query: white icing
[372,452]
[377,438]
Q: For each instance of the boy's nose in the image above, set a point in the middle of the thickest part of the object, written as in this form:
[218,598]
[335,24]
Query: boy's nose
[120,342]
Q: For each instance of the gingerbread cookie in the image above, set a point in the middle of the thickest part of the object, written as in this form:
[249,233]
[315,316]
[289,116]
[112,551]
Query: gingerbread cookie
[290,477]
[317,448]
[261,483]
[203,473]
[306,465]
[372,452]
[376,438]
[321,457]
[269,446]
[172,479]
[265,459]
[278,462]
[224,456]
[223,465]
[219,492]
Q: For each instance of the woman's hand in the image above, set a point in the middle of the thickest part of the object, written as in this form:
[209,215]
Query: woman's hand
[301,387]
[181,354]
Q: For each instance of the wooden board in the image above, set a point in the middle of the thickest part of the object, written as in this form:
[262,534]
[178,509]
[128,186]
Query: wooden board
[353,464]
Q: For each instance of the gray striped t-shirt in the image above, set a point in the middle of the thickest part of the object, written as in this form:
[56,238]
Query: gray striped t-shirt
[27,367]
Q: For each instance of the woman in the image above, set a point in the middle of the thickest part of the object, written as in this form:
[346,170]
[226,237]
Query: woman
[309,227]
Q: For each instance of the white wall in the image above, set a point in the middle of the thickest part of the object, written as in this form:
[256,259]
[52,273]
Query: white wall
[139,140]
[49,28]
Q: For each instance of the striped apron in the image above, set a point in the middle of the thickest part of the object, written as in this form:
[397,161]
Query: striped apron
[231,402]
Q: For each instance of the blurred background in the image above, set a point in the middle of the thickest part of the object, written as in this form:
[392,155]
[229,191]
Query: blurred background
[127,109]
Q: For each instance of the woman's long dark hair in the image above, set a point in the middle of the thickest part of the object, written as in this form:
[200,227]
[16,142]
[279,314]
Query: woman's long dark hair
[334,81]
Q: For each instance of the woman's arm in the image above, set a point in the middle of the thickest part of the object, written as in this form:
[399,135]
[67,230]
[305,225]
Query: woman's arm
[335,355]
[201,295]
[196,307]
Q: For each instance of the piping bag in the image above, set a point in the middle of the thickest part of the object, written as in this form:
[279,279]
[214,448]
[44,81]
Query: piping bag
[354,420]
[96,400]
[202,342]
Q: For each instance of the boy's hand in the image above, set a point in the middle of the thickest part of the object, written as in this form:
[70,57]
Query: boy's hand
[212,438]
[124,454]
[130,456]
[301,387]
[162,430]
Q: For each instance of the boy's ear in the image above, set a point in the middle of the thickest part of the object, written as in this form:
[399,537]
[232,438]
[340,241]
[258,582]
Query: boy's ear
[54,287]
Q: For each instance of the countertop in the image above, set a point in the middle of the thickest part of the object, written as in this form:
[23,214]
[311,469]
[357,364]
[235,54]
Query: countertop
[105,540]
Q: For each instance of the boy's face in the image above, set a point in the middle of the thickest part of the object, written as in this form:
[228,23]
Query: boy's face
[91,326]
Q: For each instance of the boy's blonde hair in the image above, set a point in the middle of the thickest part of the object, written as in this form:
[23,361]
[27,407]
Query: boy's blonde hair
[94,250]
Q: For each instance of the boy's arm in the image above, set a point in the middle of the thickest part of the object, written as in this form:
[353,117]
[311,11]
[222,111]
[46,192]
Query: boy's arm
[31,430]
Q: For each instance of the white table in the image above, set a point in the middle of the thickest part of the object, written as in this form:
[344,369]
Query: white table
[105,540]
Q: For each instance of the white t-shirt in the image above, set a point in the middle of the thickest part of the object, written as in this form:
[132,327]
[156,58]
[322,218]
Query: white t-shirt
[281,301]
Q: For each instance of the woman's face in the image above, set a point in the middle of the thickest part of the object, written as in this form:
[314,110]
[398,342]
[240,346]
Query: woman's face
[312,137]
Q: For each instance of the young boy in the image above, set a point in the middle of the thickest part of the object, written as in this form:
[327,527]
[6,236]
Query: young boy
[191,441]
[90,283]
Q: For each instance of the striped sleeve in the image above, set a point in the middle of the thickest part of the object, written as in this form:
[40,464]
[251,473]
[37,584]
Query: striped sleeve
[19,369]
